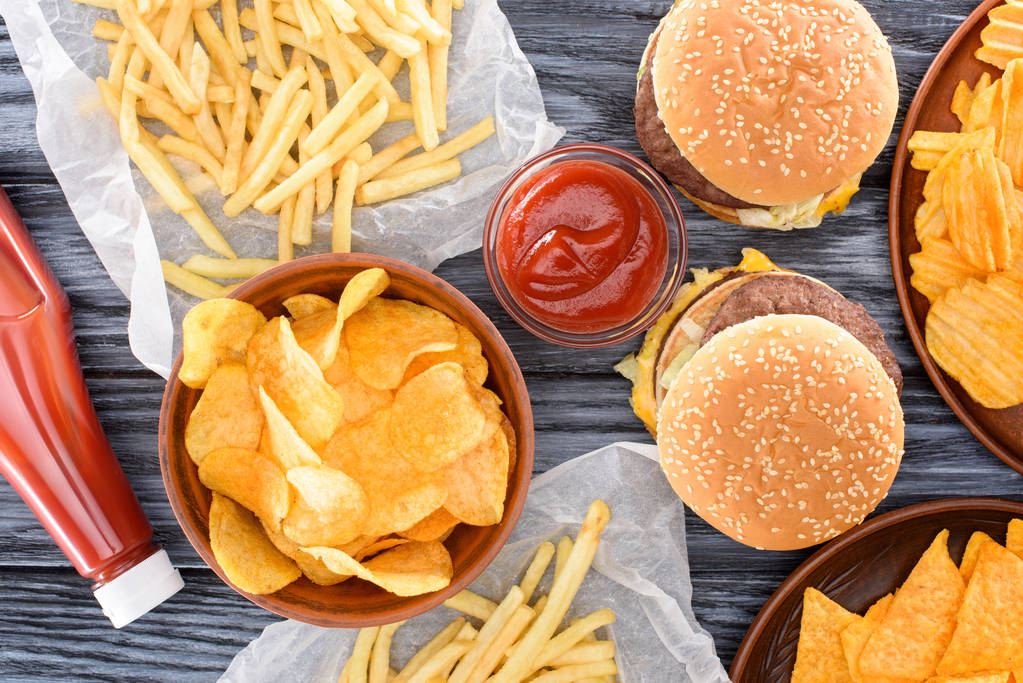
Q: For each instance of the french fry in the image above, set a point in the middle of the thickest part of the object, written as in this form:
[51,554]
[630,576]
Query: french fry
[520,661]
[184,56]
[361,64]
[439,662]
[487,634]
[361,154]
[390,64]
[277,109]
[220,94]
[399,111]
[341,145]
[341,225]
[305,205]
[235,144]
[386,157]
[339,71]
[578,672]
[382,34]
[452,148]
[473,604]
[160,60]
[102,4]
[422,99]
[221,53]
[123,51]
[207,232]
[193,284]
[359,660]
[227,269]
[268,164]
[199,75]
[285,248]
[381,190]
[232,31]
[500,645]
[457,4]
[307,20]
[567,639]
[328,129]
[107,30]
[380,658]
[340,9]
[264,81]
[387,9]
[438,54]
[536,569]
[318,88]
[172,144]
[430,28]
[175,25]
[430,649]
[586,652]
[266,33]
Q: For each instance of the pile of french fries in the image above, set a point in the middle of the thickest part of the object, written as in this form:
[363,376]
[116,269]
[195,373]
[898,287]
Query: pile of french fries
[516,641]
[276,103]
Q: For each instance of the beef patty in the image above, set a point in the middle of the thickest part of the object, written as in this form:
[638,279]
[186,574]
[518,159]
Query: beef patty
[665,156]
[781,294]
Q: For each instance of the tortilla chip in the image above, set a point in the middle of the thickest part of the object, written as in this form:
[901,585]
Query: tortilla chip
[819,657]
[972,552]
[989,635]
[855,635]
[909,641]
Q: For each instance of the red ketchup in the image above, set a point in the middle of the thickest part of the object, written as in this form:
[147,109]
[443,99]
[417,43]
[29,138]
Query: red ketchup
[52,447]
[582,247]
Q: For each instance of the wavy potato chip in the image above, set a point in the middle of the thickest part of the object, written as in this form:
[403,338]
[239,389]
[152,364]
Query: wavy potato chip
[283,440]
[330,507]
[972,553]
[243,551]
[387,334]
[819,654]
[468,353]
[249,479]
[939,266]
[1014,539]
[359,398]
[304,305]
[434,527]
[855,635]
[295,382]
[477,483]
[409,569]
[312,568]
[215,331]
[976,211]
[1002,39]
[436,418]
[226,414]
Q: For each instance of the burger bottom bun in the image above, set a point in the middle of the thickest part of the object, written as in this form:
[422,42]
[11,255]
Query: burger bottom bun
[724,213]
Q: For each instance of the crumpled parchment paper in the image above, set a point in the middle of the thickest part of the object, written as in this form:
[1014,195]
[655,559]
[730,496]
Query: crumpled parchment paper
[641,571]
[131,229]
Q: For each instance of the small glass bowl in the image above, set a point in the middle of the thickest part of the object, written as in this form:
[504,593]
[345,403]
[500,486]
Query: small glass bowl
[677,246]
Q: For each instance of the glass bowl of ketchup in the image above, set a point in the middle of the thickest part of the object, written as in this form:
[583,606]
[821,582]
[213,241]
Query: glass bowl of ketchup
[585,246]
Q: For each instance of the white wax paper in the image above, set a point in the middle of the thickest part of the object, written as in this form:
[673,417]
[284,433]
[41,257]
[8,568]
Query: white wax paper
[641,571]
[131,229]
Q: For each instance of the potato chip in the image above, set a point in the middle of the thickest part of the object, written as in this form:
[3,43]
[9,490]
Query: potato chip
[399,495]
[215,331]
[992,677]
[285,444]
[313,569]
[409,569]
[436,418]
[359,398]
[975,210]
[1010,146]
[819,655]
[468,353]
[251,480]
[926,160]
[330,507]
[989,633]
[939,266]
[304,305]
[292,379]
[910,639]
[377,547]
[243,551]
[972,553]
[477,483]
[986,111]
[226,415]
[929,220]
[1014,538]
[855,635]
[387,334]
[1002,39]
[981,139]
[962,98]
[433,527]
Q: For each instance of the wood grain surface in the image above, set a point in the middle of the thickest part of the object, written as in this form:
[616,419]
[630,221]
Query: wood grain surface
[585,53]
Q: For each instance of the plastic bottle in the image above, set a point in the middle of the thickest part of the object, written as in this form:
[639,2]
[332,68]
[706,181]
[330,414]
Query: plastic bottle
[52,448]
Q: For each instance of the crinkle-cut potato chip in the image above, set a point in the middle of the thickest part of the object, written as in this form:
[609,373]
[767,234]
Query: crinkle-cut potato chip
[989,632]
[939,266]
[1014,540]
[387,334]
[1002,39]
[244,552]
[409,569]
[249,479]
[979,346]
[477,483]
[399,495]
[359,398]
[292,379]
[435,418]
[330,507]
[855,635]
[313,569]
[962,98]
[929,220]
[468,353]
[819,655]
[285,444]
[910,639]
[986,111]
[981,139]
[1010,146]
[433,527]
[972,554]
[304,305]
[226,415]
[215,331]
[976,212]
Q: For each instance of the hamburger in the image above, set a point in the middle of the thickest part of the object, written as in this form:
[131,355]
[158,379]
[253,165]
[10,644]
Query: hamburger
[766,113]
[774,401]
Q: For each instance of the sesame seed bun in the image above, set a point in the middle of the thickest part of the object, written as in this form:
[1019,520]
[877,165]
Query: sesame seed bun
[781,432]
[775,101]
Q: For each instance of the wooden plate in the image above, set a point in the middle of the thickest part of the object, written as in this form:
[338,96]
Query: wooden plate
[857,569]
[1000,430]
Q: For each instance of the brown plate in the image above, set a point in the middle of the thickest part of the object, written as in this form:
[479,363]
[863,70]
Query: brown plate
[1000,430]
[858,568]
[356,603]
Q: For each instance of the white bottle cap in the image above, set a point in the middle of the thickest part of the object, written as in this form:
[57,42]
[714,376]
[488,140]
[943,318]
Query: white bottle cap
[140,589]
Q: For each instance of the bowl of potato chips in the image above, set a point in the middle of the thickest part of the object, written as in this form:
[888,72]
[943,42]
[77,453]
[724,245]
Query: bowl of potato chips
[347,440]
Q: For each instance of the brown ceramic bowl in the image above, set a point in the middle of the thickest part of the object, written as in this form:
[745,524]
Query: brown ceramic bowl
[356,603]
[1000,430]
[858,568]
